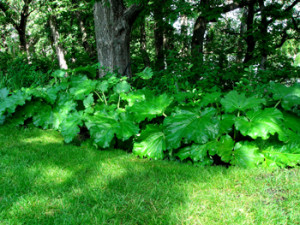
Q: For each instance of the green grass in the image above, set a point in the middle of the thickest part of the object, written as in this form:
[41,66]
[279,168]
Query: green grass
[44,181]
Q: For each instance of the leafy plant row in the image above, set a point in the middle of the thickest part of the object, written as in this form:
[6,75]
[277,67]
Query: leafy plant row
[233,128]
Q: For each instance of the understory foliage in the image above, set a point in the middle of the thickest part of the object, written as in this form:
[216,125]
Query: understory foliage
[241,128]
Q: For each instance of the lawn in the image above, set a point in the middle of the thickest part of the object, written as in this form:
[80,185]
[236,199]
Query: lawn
[44,181]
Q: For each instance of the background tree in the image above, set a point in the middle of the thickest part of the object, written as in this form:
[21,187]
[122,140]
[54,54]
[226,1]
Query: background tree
[113,24]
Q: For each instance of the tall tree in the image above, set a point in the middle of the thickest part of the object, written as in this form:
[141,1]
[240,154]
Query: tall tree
[208,13]
[56,41]
[250,41]
[113,24]
[159,34]
[18,19]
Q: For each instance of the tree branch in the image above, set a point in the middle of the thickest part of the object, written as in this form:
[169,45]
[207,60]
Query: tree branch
[286,10]
[5,9]
[132,13]
[295,24]
[284,37]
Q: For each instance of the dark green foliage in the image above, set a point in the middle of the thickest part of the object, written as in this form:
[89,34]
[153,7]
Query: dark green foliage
[237,128]
[16,72]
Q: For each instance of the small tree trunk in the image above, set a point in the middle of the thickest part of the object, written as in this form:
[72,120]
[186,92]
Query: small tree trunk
[159,36]
[86,45]
[264,36]
[184,34]
[198,38]
[243,26]
[59,50]
[250,37]
[113,23]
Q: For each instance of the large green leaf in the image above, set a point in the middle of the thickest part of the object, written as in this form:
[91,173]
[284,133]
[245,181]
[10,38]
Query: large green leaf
[62,110]
[292,122]
[43,117]
[150,107]
[198,153]
[102,86]
[70,126]
[103,126]
[246,154]
[27,111]
[2,119]
[49,94]
[223,148]
[81,87]
[146,74]
[122,87]
[239,102]
[290,133]
[3,93]
[289,96]
[260,123]
[151,143]
[226,123]
[191,126]
[211,98]
[11,102]
[126,128]
[136,96]
[286,155]
[88,102]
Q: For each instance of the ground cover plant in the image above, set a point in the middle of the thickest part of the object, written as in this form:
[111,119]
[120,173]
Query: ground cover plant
[231,128]
[45,181]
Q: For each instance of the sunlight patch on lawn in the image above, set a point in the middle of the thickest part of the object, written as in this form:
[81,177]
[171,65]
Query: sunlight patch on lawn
[43,139]
[36,206]
[53,175]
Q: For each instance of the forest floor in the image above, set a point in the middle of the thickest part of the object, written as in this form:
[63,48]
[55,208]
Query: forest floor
[44,181]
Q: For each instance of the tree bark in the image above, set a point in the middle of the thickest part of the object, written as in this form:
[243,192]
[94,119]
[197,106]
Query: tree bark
[198,38]
[159,36]
[113,23]
[184,34]
[250,41]
[243,27]
[264,34]
[59,50]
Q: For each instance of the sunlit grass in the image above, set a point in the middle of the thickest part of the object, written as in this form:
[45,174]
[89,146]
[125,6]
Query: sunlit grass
[44,181]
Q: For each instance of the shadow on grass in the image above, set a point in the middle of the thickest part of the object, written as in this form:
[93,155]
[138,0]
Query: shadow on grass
[54,183]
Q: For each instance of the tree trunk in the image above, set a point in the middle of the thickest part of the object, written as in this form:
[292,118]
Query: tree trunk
[264,36]
[21,25]
[113,23]
[250,36]
[86,45]
[198,38]
[59,50]
[201,26]
[184,35]
[159,36]
[243,26]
